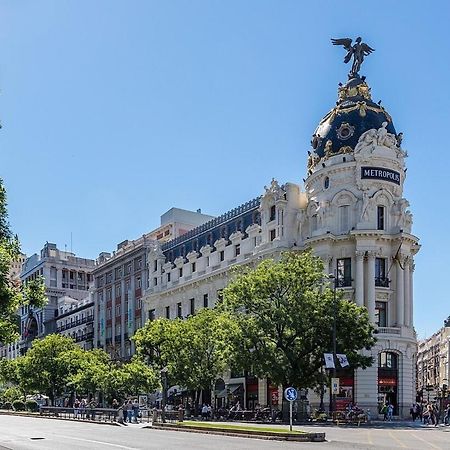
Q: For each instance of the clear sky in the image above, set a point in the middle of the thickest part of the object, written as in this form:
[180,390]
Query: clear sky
[115,111]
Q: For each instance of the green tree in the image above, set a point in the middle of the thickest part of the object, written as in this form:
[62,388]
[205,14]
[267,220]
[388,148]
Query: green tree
[285,312]
[46,366]
[139,377]
[194,351]
[11,296]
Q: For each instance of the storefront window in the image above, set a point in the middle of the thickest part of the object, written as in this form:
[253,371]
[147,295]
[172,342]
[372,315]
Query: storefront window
[388,380]
[381,314]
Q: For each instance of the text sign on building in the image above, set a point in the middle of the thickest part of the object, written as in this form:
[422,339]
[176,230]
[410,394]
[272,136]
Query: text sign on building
[380,173]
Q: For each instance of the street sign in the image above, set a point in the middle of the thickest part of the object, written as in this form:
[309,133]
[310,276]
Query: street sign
[335,385]
[290,394]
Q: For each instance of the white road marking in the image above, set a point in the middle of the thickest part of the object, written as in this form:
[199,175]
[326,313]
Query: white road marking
[96,442]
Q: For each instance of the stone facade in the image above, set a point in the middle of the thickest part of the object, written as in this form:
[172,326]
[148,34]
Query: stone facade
[64,274]
[352,213]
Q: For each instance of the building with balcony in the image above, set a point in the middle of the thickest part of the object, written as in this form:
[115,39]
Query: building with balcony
[65,275]
[433,360]
[120,280]
[352,213]
[76,320]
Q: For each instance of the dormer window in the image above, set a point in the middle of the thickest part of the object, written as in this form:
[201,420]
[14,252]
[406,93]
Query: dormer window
[272,213]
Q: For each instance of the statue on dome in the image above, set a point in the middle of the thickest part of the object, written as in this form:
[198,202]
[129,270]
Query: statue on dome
[358,50]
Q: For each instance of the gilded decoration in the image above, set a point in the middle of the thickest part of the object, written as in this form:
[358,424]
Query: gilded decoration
[345,131]
[361,90]
[345,149]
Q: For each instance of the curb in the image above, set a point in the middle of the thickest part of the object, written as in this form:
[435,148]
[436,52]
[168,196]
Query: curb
[39,416]
[304,437]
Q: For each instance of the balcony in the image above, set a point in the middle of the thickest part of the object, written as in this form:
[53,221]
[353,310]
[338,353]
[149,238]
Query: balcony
[382,282]
[389,330]
[344,282]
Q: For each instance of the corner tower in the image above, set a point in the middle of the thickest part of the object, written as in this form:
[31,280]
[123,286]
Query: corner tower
[358,221]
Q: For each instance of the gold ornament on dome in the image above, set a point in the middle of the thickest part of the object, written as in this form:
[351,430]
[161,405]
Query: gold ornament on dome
[328,149]
[362,108]
[346,149]
[362,90]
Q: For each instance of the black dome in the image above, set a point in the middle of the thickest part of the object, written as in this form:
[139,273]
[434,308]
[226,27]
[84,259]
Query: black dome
[354,114]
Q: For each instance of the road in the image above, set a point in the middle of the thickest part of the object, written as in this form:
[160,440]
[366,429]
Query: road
[27,433]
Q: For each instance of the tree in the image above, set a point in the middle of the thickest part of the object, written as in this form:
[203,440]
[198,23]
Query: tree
[194,351]
[285,312]
[11,296]
[46,365]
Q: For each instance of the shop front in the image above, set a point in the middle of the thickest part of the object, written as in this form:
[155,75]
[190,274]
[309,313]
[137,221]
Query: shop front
[388,380]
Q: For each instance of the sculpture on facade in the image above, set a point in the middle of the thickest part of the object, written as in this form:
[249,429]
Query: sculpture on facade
[358,50]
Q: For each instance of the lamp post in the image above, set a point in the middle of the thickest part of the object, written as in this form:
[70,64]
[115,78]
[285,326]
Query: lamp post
[333,277]
[163,373]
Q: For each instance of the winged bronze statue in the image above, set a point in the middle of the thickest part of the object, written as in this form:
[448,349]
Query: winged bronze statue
[358,50]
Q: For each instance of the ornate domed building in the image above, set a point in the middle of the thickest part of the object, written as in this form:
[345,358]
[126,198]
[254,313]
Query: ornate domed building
[358,221]
[351,212]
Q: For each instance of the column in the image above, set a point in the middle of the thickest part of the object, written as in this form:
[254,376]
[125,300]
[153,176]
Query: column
[132,311]
[407,303]
[371,285]
[262,391]
[411,294]
[122,318]
[400,299]
[359,287]
[96,318]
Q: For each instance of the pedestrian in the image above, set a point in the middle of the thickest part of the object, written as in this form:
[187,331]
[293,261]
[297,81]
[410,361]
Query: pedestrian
[125,411]
[204,412]
[135,409]
[129,410]
[209,412]
[76,408]
[447,415]
[390,412]
[384,411]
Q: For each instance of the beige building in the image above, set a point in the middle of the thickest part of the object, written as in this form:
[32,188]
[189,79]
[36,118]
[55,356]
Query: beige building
[352,213]
[433,361]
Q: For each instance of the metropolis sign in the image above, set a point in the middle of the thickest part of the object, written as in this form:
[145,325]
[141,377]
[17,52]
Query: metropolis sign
[380,173]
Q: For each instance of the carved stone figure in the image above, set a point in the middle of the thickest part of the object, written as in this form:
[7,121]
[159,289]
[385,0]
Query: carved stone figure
[358,50]
[382,133]
[366,206]
[399,210]
[366,142]
[328,149]
[399,139]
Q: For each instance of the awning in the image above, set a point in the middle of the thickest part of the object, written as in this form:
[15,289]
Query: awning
[235,388]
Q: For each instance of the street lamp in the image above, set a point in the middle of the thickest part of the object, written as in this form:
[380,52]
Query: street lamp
[333,277]
[163,373]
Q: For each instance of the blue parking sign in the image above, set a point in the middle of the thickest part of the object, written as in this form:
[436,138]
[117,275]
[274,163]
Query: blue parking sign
[290,394]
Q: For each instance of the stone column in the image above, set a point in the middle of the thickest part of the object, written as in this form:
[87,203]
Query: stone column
[359,286]
[407,286]
[371,285]
[122,318]
[400,299]
[411,293]
[96,318]
[262,391]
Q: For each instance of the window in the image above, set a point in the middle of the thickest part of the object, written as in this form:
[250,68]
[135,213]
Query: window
[205,300]
[237,249]
[139,303]
[151,315]
[380,218]
[381,314]
[272,235]
[326,183]
[344,218]
[207,261]
[193,267]
[108,314]
[117,290]
[344,272]
[167,312]
[380,273]
[387,360]
[168,277]
[179,310]
[222,255]
[272,213]
[155,265]
[192,306]
[180,272]
[128,268]
[118,272]
[117,310]
[155,281]
[219,294]
[138,283]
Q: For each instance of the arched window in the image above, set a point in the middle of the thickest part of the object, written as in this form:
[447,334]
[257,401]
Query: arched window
[388,360]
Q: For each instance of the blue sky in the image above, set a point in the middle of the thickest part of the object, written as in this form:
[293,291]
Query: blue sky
[115,111]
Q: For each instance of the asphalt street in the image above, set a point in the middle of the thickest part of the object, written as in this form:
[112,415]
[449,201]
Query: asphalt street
[25,433]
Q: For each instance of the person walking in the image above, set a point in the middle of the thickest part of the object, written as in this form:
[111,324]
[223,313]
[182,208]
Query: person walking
[447,415]
[125,411]
[130,411]
[135,409]
[390,412]
[204,412]
[384,411]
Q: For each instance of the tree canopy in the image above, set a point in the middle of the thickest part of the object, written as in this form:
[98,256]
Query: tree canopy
[285,312]
[11,295]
